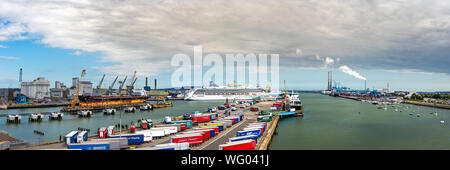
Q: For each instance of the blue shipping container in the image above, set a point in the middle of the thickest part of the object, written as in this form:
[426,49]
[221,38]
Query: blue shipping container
[132,138]
[256,132]
[254,137]
[71,137]
[92,146]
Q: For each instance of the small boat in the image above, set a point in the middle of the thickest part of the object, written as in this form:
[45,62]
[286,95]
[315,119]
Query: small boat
[36,117]
[146,107]
[442,122]
[130,109]
[418,115]
[109,111]
[56,116]
[14,118]
[85,113]
[435,113]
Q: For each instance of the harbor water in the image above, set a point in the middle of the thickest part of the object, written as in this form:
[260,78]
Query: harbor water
[54,128]
[333,123]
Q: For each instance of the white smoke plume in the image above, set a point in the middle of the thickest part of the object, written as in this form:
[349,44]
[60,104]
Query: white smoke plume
[349,71]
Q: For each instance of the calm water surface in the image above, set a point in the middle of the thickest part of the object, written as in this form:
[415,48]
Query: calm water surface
[334,123]
[54,128]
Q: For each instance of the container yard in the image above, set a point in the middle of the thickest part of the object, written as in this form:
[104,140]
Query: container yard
[208,130]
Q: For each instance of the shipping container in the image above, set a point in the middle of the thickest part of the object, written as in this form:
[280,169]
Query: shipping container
[221,127]
[215,128]
[158,133]
[167,131]
[263,125]
[171,129]
[71,137]
[147,135]
[187,122]
[82,136]
[102,133]
[90,146]
[205,134]
[226,122]
[168,146]
[123,142]
[253,137]
[178,126]
[132,138]
[192,139]
[256,132]
[238,145]
[261,128]
[110,130]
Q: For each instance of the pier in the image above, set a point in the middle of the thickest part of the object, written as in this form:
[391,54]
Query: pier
[211,144]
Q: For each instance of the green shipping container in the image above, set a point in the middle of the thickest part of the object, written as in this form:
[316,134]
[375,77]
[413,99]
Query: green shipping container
[265,119]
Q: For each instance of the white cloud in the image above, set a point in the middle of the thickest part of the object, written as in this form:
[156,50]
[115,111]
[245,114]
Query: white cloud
[77,53]
[146,34]
[2,46]
[9,58]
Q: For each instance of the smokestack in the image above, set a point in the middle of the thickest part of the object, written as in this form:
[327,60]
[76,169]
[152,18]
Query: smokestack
[330,77]
[365,84]
[146,81]
[155,84]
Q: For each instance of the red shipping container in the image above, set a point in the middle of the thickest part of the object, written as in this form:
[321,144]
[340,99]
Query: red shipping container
[183,126]
[239,145]
[201,118]
[102,133]
[191,139]
[216,129]
[232,119]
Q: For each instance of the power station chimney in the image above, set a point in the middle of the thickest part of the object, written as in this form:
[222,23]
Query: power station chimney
[365,84]
[330,79]
[155,84]
[146,81]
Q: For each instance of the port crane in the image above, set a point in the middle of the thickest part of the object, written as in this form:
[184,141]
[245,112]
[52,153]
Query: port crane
[21,99]
[75,99]
[132,81]
[100,84]
[109,92]
[121,84]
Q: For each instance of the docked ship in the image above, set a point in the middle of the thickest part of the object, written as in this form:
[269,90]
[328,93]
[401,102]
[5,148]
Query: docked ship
[104,101]
[295,104]
[214,92]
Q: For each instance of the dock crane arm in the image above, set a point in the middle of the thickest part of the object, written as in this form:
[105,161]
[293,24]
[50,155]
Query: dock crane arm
[75,99]
[100,84]
[112,85]
[121,84]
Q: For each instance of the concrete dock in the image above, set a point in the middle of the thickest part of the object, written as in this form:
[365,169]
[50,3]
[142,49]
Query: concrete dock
[211,144]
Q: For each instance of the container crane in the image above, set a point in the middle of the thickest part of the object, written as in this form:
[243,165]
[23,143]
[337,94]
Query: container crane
[21,99]
[100,84]
[132,81]
[75,99]
[109,92]
[121,84]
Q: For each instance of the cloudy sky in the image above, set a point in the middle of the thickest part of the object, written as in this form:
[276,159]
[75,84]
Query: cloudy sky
[402,42]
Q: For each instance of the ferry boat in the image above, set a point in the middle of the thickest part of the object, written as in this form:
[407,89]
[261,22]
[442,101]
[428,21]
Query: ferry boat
[295,103]
[214,92]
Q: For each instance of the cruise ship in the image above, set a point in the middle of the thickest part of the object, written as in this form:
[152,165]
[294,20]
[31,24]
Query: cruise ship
[214,92]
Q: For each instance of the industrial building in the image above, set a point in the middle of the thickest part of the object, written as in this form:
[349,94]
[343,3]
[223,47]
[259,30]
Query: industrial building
[8,94]
[60,90]
[85,87]
[37,89]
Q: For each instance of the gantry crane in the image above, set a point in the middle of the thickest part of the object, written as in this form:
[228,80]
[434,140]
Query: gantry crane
[121,84]
[100,84]
[21,99]
[132,81]
[109,92]
[75,99]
